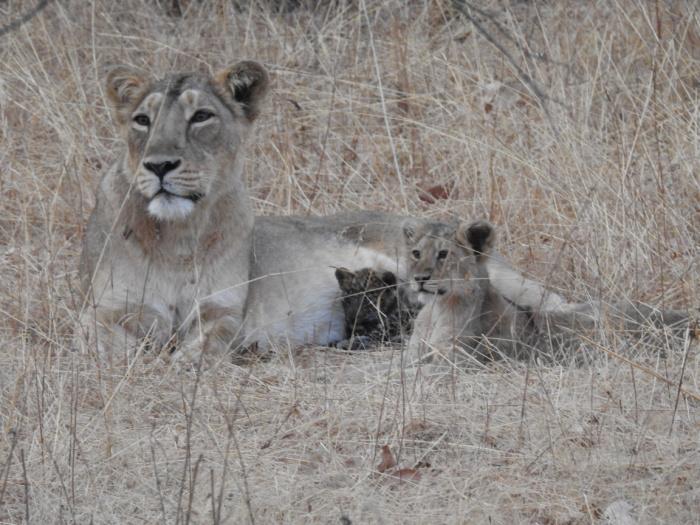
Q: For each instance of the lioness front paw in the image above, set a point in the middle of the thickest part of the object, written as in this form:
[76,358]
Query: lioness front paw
[189,354]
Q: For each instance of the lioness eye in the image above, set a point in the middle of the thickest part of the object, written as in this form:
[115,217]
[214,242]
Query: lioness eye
[201,116]
[142,120]
[442,254]
[416,254]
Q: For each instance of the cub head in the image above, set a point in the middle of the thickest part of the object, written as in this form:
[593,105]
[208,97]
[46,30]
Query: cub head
[185,131]
[440,256]
[369,298]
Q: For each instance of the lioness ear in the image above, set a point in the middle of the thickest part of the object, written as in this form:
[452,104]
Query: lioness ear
[246,83]
[124,86]
[344,278]
[479,236]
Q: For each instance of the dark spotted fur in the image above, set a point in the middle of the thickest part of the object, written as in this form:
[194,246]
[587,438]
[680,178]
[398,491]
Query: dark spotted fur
[377,309]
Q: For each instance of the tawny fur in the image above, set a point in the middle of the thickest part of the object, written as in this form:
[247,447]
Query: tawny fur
[464,317]
[182,277]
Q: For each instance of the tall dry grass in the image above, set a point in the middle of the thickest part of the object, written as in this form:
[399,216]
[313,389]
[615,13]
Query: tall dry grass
[376,104]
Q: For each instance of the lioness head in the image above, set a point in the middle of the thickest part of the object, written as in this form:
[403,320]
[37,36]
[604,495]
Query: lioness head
[440,256]
[184,131]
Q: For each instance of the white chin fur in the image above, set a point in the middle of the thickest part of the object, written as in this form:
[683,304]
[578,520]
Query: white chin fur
[170,208]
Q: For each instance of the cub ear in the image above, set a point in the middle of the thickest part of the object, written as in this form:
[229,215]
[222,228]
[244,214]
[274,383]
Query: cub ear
[344,278]
[246,83]
[410,229]
[389,279]
[124,85]
[480,236]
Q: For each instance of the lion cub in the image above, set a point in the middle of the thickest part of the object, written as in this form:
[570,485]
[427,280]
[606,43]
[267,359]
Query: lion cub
[464,318]
[377,309]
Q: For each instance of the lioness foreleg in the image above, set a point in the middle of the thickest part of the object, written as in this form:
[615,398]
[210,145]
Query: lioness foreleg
[111,331]
[214,331]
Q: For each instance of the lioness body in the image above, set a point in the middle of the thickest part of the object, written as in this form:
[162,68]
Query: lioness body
[162,251]
[293,294]
[160,278]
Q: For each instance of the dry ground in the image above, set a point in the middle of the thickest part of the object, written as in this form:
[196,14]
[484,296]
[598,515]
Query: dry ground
[387,105]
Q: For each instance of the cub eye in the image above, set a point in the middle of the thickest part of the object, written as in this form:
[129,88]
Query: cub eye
[416,254]
[442,254]
[201,116]
[142,120]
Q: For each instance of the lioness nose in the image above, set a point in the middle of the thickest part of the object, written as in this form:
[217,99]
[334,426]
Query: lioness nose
[161,168]
[422,278]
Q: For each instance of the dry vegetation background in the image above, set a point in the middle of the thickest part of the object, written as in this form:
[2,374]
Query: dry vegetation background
[391,105]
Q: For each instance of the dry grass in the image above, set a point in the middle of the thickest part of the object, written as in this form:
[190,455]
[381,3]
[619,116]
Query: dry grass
[599,199]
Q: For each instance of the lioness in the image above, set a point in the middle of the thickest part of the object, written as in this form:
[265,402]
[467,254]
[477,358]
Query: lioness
[173,253]
[166,251]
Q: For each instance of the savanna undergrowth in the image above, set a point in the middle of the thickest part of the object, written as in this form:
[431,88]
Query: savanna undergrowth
[572,126]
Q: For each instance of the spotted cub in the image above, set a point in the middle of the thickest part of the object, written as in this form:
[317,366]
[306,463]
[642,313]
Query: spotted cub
[377,309]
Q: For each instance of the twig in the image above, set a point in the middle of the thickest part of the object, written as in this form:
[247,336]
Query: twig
[158,487]
[502,30]
[384,110]
[188,435]
[324,142]
[634,388]
[214,515]
[230,420]
[248,502]
[63,487]
[522,406]
[680,379]
[193,482]
[8,464]
[26,486]
[291,410]
[220,497]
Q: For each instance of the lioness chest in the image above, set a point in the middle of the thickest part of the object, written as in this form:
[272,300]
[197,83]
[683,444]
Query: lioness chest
[182,285]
